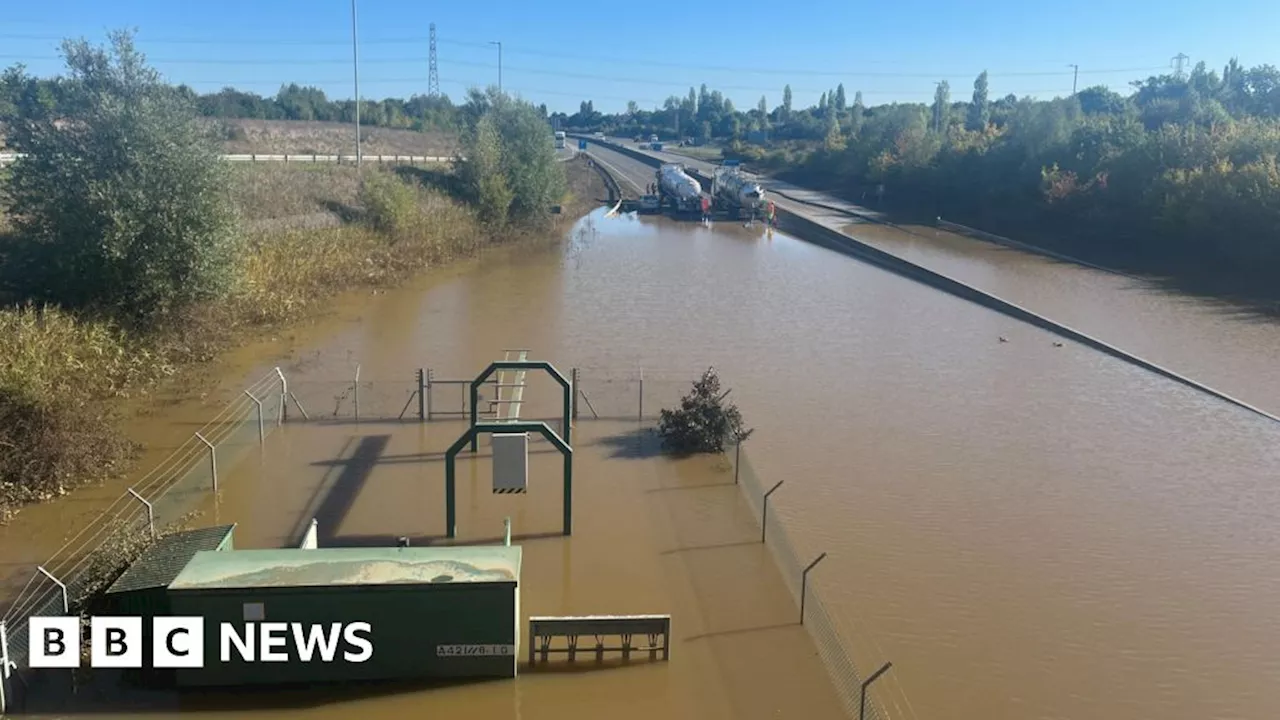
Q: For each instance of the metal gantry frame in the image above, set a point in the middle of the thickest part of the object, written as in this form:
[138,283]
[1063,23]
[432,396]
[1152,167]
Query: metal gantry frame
[497,365]
[473,432]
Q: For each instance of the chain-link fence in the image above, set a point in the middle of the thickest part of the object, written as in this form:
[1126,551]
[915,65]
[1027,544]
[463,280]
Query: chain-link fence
[865,687]
[179,484]
[635,394]
[97,553]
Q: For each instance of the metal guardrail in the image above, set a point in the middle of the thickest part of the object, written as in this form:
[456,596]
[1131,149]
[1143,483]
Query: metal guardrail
[543,629]
[7,158]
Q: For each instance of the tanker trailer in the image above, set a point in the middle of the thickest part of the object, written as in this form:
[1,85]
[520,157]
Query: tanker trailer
[677,188]
[736,193]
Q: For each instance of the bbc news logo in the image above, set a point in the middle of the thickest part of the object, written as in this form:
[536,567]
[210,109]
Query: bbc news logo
[179,642]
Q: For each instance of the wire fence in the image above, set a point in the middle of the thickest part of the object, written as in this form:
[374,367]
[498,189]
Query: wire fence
[640,395]
[95,555]
[179,484]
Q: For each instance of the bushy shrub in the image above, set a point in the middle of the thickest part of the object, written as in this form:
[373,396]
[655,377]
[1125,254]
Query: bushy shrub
[705,420]
[121,203]
[511,170]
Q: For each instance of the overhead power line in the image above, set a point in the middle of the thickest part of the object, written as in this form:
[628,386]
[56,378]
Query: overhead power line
[421,40]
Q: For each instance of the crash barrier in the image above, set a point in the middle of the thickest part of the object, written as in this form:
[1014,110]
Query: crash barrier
[544,630]
[161,498]
[809,230]
[610,182]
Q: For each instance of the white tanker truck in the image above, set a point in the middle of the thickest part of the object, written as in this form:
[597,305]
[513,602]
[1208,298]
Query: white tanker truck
[734,192]
[677,188]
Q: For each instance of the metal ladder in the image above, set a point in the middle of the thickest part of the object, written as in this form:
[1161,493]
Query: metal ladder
[506,405]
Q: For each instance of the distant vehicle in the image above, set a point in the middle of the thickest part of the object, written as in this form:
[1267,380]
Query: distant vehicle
[678,189]
[734,192]
[599,136]
[653,138]
[560,136]
[656,146]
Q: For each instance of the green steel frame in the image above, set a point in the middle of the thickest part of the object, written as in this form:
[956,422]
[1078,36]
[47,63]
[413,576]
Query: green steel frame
[473,432]
[521,365]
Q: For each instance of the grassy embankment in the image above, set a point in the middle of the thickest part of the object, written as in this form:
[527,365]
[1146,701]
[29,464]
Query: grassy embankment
[310,233]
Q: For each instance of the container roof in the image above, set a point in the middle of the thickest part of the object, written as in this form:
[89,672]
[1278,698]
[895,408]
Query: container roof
[164,560]
[349,566]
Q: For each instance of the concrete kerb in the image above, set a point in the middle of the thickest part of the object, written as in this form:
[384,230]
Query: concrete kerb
[807,229]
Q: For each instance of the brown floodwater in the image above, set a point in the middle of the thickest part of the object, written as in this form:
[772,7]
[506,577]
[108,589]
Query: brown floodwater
[1024,530]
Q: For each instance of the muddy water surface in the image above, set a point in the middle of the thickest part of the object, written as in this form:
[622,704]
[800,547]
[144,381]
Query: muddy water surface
[1024,530]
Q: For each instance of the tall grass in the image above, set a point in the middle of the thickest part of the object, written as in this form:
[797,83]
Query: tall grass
[60,372]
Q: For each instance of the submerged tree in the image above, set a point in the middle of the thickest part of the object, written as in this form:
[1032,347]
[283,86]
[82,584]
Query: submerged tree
[705,420]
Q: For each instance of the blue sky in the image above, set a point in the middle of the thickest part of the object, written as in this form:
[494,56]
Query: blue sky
[561,53]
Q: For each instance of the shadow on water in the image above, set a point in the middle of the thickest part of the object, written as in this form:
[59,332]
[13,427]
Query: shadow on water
[344,490]
[639,444]
[51,694]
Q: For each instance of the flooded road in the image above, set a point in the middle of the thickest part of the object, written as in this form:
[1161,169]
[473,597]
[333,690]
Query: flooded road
[1025,530]
[1222,345]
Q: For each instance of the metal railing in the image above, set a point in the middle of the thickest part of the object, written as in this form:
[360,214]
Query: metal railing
[859,670]
[95,554]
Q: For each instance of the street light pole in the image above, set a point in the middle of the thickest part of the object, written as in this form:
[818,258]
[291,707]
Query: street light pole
[1074,77]
[355,62]
[499,44]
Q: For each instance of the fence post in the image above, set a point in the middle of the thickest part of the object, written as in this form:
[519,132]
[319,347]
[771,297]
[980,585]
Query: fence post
[640,415]
[262,431]
[4,669]
[66,601]
[764,512]
[422,399]
[804,583]
[737,459]
[151,512]
[862,701]
[355,391]
[430,376]
[213,460]
[573,383]
[284,398]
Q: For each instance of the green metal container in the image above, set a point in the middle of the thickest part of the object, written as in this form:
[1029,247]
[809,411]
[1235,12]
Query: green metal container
[449,612]
[141,589]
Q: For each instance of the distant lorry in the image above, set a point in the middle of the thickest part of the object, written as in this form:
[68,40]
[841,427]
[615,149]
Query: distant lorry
[560,137]
[677,189]
[656,146]
[735,193]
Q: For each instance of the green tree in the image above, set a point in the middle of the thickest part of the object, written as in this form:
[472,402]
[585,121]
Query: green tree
[942,107]
[840,98]
[856,112]
[483,174]
[121,203]
[762,108]
[822,104]
[980,108]
[786,103]
[705,420]
[511,166]
[834,140]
